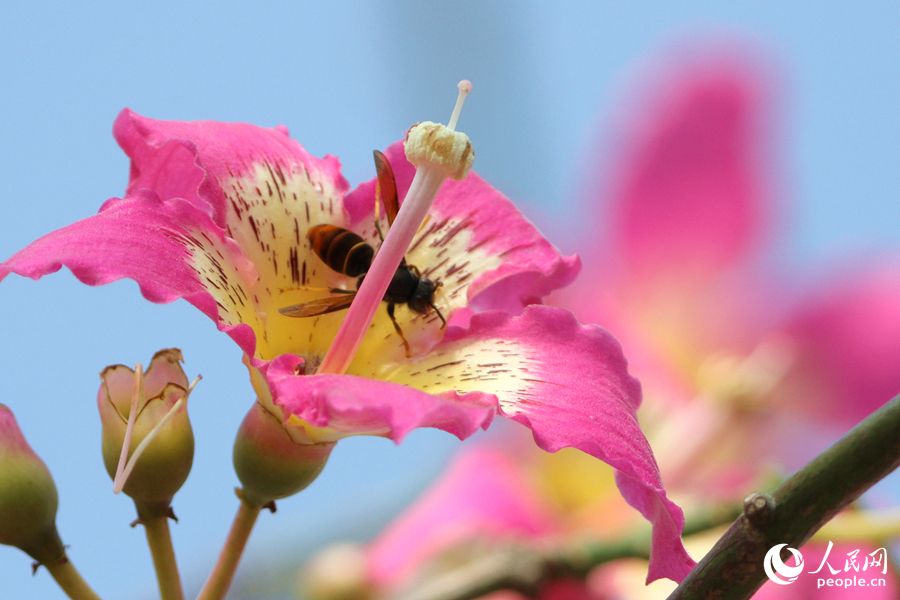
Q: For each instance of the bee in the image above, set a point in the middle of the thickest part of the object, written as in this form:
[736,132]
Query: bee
[349,254]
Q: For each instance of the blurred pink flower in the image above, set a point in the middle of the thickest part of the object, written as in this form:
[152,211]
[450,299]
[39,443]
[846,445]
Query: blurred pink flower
[218,214]
[739,368]
[736,357]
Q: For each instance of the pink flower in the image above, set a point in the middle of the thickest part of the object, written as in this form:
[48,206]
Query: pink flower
[739,369]
[218,214]
[735,359]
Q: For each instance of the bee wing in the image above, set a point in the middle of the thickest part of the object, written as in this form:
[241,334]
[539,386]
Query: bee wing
[319,306]
[386,187]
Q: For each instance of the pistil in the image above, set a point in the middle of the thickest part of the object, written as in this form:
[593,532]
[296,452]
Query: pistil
[438,152]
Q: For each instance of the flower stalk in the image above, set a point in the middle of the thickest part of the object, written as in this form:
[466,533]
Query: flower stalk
[222,575]
[159,540]
[70,581]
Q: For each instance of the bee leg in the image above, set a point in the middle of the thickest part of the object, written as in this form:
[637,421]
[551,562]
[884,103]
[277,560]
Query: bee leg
[439,314]
[390,311]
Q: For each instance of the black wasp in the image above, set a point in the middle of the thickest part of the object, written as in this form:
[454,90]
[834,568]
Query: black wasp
[347,253]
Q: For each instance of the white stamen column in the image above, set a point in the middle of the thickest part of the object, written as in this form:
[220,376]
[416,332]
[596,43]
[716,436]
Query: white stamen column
[438,151]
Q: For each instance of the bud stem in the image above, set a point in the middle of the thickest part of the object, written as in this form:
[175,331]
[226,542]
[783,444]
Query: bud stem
[71,581]
[159,541]
[222,575]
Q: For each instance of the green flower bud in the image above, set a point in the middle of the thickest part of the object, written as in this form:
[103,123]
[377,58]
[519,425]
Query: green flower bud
[161,448]
[270,463]
[28,498]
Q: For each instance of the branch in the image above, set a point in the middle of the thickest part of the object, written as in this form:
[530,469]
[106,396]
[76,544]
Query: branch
[733,569]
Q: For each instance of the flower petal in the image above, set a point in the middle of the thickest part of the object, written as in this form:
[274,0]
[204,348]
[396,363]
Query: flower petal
[568,383]
[690,194]
[221,165]
[847,340]
[167,247]
[482,496]
[338,406]
[265,191]
[133,238]
[476,243]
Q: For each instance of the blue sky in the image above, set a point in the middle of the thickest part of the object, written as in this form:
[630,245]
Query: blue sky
[346,78]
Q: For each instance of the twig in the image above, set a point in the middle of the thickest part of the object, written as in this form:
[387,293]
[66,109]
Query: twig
[733,569]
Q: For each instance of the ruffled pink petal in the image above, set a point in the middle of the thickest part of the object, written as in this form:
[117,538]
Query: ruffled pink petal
[350,405]
[690,194]
[580,395]
[135,238]
[847,344]
[476,242]
[482,496]
[263,190]
[154,242]
[196,159]
[567,382]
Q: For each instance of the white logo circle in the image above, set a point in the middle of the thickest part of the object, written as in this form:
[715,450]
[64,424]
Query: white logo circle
[777,571]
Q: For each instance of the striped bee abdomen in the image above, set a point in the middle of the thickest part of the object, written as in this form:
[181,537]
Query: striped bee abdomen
[341,249]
